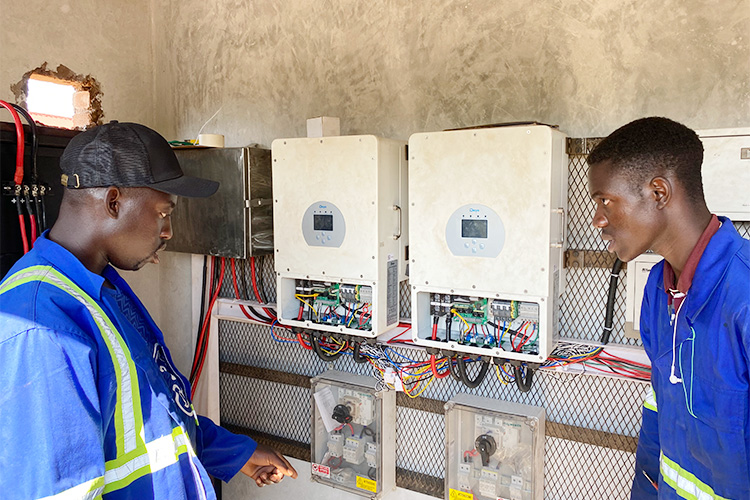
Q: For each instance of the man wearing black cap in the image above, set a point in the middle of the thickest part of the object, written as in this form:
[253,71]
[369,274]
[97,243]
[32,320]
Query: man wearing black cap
[91,404]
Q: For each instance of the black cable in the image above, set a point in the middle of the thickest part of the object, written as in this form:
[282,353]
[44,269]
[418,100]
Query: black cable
[453,366]
[261,315]
[196,354]
[27,201]
[523,381]
[42,193]
[465,378]
[315,343]
[372,473]
[613,279]
[214,287]
[245,290]
[34,140]
[358,358]
[38,209]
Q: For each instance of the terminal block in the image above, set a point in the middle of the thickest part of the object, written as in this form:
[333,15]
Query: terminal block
[334,304]
[506,326]
[353,434]
[495,449]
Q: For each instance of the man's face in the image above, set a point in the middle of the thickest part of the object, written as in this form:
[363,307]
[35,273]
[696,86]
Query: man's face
[627,216]
[144,227]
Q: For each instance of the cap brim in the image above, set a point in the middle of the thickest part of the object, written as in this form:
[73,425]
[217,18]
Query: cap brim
[190,187]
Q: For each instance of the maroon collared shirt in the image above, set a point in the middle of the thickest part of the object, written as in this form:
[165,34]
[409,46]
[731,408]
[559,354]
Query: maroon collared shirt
[677,293]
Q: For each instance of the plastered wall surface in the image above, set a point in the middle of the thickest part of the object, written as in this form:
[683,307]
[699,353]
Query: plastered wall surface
[110,40]
[394,68]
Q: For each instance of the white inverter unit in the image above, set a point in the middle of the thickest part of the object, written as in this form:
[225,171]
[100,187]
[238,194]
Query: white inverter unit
[487,220]
[340,232]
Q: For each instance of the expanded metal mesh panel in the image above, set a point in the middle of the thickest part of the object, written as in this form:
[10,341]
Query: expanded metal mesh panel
[404,306]
[276,409]
[575,470]
[584,302]
[581,233]
[743,228]
[420,442]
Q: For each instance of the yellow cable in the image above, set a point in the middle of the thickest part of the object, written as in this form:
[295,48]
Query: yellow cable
[421,391]
[497,371]
[468,326]
[299,297]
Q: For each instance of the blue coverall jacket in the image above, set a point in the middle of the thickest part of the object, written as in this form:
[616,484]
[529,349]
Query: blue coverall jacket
[695,438]
[90,402]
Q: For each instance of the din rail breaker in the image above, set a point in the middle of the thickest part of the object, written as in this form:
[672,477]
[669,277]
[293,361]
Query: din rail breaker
[494,450]
[340,232]
[353,434]
[487,217]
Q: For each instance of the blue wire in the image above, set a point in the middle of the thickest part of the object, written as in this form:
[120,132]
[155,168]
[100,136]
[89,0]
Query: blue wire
[400,355]
[278,339]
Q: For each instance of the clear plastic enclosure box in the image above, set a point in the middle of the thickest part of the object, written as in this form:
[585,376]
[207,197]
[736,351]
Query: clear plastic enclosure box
[494,450]
[353,434]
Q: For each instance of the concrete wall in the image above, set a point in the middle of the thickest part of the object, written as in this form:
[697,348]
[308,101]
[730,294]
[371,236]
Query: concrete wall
[393,68]
[112,41]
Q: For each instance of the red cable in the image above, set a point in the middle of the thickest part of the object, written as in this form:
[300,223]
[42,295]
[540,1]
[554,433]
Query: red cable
[205,326]
[205,318]
[237,296]
[33,229]
[255,288]
[303,343]
[234,280]
[22,225]
[18,177]
[433,367]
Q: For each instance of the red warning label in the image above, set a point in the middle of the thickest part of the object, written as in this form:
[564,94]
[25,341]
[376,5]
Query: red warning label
[321,470]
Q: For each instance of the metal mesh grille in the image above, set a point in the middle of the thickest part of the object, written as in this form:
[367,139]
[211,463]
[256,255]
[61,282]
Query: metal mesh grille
[277,409]
[592,422]
[575,470]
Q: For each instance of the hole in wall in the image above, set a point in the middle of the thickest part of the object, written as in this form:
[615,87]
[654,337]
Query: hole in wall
[60,98]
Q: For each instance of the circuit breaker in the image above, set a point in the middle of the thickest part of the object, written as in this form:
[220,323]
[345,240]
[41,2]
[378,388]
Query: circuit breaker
[353,434]
[494,450]
[487,217]
[340,215]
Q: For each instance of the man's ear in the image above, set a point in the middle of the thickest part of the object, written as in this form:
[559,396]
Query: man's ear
[113,199]
[661,191]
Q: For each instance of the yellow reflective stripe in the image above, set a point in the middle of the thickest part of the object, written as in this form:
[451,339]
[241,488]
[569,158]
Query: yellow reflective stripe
[90,490]
[685,483]
[128,420]
[160,454]
[182,443]
[650,401]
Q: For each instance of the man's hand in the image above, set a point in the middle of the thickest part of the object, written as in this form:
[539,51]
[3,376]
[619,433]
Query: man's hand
[267,466]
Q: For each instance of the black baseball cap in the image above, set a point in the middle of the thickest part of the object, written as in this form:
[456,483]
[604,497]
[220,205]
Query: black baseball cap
[128,155]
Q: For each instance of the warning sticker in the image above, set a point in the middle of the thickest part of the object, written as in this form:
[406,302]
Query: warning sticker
[321,470]
[366,483]
[459,495]
[391,292]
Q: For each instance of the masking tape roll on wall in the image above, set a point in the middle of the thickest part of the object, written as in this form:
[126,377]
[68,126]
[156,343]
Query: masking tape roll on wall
[211,140]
